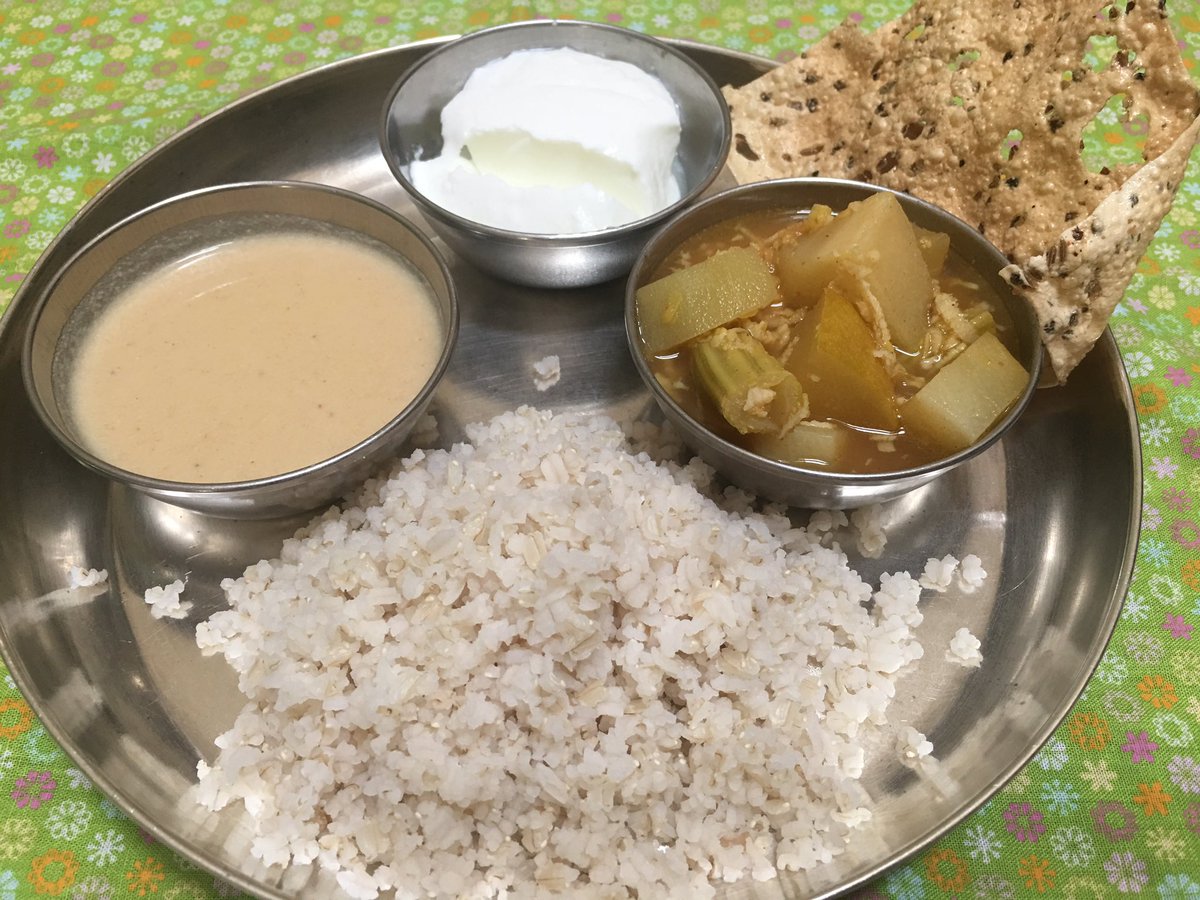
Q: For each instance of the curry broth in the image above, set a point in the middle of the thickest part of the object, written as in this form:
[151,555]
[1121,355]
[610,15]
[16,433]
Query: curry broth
[866,450]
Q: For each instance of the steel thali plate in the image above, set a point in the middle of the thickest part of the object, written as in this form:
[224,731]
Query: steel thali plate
[1053,511]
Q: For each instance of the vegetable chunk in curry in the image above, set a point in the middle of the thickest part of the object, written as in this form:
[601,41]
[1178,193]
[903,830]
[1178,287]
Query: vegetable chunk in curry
[853,342]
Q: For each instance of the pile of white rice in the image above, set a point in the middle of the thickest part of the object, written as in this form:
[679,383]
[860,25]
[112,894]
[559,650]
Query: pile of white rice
[543,661]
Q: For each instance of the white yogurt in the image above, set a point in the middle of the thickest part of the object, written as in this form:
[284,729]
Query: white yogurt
[555,141]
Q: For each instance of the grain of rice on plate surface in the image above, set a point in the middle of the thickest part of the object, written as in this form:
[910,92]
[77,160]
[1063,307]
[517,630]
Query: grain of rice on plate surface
[545,661]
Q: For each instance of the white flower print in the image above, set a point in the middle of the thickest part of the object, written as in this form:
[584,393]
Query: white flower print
[134,147]
[1073,846]
[1143,647]
[1161,296]
[981,843]
[1166,845]
[12,170]
[1178,887]
[1190,284]
[992,887]
[1112,669]
[105,847]
[61,194]
[1138,364]
[1126,333]
[1053,756]
[1135,609]
[94,887]
[68,819]
[1155,431]
[1060,796]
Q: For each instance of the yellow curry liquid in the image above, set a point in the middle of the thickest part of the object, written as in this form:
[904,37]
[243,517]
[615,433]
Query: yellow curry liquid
[256,357]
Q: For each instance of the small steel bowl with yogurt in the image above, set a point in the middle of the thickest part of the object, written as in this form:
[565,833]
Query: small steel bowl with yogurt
[249,413]
[809,485]
[412,131]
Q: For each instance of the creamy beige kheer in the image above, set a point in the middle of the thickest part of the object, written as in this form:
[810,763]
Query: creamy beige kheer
[256,357]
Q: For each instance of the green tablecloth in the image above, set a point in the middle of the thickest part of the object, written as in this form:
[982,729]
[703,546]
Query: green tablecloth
[1110,806]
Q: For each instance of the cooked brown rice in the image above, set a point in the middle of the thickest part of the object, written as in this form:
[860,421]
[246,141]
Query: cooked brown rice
[542,660]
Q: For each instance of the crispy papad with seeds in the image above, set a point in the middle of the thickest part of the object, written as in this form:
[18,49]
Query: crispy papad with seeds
[981,109]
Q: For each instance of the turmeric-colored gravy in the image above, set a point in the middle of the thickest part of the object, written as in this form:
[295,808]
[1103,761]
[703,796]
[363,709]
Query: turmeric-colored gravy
[256,357]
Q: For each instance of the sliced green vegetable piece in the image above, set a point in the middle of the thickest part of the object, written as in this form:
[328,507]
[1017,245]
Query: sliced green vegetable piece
[729,285]
[962,401]
[752,390]
[808,444]
[874,239]
[836,362]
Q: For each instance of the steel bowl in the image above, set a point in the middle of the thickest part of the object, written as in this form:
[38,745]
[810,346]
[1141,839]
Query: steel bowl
[797,485]
[171,230]
[411,129]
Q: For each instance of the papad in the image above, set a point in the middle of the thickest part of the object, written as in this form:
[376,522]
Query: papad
[981,109]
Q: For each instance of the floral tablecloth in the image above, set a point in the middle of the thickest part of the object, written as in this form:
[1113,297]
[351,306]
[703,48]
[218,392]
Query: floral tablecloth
[1110,806]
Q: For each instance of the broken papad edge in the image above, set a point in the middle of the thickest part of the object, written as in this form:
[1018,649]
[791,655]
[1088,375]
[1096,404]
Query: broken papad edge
[1074,285]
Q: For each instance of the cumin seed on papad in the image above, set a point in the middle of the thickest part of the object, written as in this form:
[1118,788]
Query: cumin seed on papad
[981,109]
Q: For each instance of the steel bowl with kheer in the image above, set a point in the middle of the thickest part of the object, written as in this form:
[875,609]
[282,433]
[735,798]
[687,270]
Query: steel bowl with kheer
[545,153]
[247,350]
[829,343]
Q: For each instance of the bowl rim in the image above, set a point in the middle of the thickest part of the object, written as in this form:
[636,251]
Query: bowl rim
[827,477]
[564,239]
[166,486]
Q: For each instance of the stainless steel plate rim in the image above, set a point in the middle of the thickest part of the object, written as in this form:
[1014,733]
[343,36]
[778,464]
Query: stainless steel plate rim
[1094,646]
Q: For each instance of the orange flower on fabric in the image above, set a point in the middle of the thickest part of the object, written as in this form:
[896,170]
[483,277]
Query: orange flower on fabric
[16,718]
[1190,573]
[1149,398]
[145,876]
[1037,873]
[1152,799]
[947,870]
[1158,692]
[1089,731]
[53,872]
